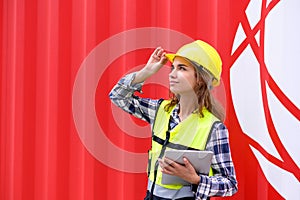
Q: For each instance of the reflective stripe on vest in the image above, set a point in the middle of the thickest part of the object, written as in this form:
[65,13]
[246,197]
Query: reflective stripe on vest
[191,133]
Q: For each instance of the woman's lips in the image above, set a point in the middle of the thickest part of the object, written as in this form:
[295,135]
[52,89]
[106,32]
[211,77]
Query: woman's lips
[173,82]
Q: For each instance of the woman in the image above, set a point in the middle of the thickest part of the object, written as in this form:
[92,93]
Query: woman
[189,120]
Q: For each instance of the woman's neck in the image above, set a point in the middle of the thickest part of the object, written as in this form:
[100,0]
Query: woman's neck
[187,106]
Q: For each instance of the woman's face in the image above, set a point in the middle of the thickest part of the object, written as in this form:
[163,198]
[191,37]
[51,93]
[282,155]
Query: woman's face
[182,77]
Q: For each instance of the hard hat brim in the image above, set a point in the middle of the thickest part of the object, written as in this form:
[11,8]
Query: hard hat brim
[171,56]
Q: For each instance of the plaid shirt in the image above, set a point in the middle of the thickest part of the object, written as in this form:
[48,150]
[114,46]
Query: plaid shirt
[224,182]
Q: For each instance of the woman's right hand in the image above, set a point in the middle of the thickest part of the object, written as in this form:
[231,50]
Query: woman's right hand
[155,62]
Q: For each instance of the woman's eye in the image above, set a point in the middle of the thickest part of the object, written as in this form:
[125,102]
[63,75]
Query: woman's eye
[172,67]
[179,68]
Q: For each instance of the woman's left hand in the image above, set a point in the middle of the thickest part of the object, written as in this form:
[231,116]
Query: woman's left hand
[185,171]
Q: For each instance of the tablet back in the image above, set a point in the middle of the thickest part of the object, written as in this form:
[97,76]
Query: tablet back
[201,161]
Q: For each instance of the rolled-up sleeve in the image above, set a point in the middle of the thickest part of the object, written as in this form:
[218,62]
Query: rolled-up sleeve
[122,95]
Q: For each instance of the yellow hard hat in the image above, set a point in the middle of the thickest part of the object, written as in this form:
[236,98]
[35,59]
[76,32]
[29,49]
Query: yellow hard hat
[202,54]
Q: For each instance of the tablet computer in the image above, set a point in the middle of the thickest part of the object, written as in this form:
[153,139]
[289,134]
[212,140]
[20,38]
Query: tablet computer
[200,160]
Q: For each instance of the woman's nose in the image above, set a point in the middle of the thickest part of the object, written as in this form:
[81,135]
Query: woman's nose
[172,74]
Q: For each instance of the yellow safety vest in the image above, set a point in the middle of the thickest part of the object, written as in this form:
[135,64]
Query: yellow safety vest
[191,133]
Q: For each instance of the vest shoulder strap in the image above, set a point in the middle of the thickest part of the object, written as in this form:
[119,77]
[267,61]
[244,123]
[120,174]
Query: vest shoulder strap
[213,127]
[161,104]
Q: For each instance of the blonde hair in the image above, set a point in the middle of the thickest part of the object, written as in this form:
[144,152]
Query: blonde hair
[203,92]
